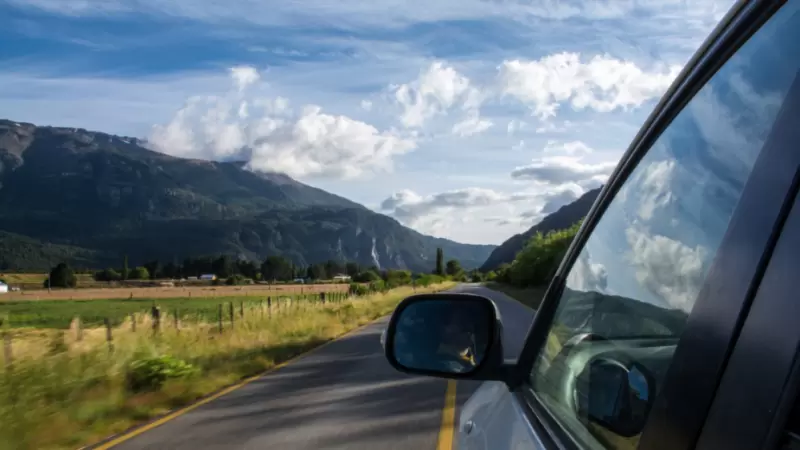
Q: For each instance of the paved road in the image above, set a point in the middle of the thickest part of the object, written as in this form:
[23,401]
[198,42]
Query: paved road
[343,396]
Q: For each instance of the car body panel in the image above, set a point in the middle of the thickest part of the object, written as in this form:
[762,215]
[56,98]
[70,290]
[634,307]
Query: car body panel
[492,418]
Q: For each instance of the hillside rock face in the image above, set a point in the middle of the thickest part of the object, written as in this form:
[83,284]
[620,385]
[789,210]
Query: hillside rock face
[100,196]
[565,217]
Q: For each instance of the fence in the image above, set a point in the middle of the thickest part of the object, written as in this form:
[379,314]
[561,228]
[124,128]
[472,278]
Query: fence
[156,320]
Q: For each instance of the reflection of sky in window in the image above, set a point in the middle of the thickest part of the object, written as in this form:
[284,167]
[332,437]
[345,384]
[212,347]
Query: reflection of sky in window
[675,207]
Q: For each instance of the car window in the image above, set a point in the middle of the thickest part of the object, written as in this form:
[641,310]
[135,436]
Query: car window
[631,290]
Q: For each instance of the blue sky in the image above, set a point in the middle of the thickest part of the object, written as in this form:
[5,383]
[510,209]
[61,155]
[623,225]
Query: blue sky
[464,119]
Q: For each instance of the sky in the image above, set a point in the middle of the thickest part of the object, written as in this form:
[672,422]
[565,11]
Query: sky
[464,119]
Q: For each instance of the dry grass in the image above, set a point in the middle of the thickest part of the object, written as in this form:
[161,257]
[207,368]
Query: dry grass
[63,393]
[172,292]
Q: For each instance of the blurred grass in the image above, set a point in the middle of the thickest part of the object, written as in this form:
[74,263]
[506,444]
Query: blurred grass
[60,313]
[62,393]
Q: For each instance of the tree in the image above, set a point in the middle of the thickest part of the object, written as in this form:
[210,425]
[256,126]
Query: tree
[247,268]
[171,270]
[139,273]
[351,269]
[222,267]
[318,272]
[439,262]
[538,261]
[107,274]
[153,268]
[276,268]
[125,268]
[367,276]
[453,268]
[61,276]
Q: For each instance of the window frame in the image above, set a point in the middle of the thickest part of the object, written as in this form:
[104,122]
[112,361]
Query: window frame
[713,326]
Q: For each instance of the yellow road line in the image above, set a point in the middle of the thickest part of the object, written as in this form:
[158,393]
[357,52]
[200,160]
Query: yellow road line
[147,427]
[447,429]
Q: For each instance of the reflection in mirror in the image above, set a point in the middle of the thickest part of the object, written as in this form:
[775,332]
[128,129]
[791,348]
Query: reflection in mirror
[614,396]
[440,335]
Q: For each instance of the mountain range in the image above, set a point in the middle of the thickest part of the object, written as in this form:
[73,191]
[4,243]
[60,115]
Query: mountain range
[563,218]
[90,198]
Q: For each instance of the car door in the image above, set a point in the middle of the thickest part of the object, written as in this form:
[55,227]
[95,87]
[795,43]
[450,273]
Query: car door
[638,324]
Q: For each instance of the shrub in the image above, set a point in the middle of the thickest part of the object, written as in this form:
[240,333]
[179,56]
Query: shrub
[358,289]
[237,279]
[536,263]
[378,286]
[151,373]
[139,273]
[61,276]
[108,274]
[367,276]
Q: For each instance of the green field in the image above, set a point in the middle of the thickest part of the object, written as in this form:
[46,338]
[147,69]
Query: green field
[59,313]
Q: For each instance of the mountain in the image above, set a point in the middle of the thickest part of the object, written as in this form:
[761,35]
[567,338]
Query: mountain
[566,216]
[69,193]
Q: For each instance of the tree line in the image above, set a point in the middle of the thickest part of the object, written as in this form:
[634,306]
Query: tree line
[272,269]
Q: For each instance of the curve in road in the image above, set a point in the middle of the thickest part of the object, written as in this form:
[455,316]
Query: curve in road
[341,396]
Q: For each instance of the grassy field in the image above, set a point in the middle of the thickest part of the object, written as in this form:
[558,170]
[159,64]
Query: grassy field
[136,292]
[60,313]
[62,393]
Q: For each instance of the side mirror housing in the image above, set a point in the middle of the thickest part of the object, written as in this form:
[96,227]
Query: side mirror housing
[446,335]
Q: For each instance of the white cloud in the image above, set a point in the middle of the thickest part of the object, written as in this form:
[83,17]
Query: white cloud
[408,206]
[587,275]
[437,89]
[515,125]
[563,169]
[669,269]
[473,124]
[244,76]
[602,83]
[271,137]
[366,105]
[570,148]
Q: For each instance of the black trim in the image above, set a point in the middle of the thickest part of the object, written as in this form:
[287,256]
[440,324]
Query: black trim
[766,349]
[708,336]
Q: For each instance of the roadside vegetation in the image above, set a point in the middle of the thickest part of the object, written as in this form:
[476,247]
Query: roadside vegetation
[62,390]
[527,277]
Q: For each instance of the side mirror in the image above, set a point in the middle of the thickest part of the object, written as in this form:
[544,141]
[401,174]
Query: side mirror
[445,335]
[615,395]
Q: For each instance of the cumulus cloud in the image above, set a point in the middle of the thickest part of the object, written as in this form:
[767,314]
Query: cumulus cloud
[408,206]
[587,275]
[563,169]
[366,105]
[669,269]
[601,83]
[438,88]
[272,137]
[244,76]
[567,148]
[473,124]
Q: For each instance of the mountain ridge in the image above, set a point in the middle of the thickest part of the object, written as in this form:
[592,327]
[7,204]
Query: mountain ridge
[110,196]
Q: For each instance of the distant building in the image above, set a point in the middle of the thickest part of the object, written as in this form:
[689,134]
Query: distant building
[3,288]
[298,281]
[208,276]
[341,277]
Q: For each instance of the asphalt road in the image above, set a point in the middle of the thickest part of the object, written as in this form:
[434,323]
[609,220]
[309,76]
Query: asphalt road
[342,396]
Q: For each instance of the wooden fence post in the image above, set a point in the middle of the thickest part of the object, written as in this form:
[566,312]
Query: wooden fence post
[241,310]
[230,310]
[269,306]
[155,312]
[177,321]
[133,322]
[78,329]
[109,337]
[220,318]
[322,297]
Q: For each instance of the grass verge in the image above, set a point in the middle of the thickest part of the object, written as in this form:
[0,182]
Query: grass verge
[62,393]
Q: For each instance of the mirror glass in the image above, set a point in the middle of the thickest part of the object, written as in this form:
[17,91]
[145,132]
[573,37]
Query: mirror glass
[614,396]
[443,335]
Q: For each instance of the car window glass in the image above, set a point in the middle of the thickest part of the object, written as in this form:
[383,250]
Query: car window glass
[629,293]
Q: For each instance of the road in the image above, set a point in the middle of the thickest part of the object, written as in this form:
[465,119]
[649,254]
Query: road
[342,396]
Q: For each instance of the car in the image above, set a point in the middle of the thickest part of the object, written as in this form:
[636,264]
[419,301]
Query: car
[673,320]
